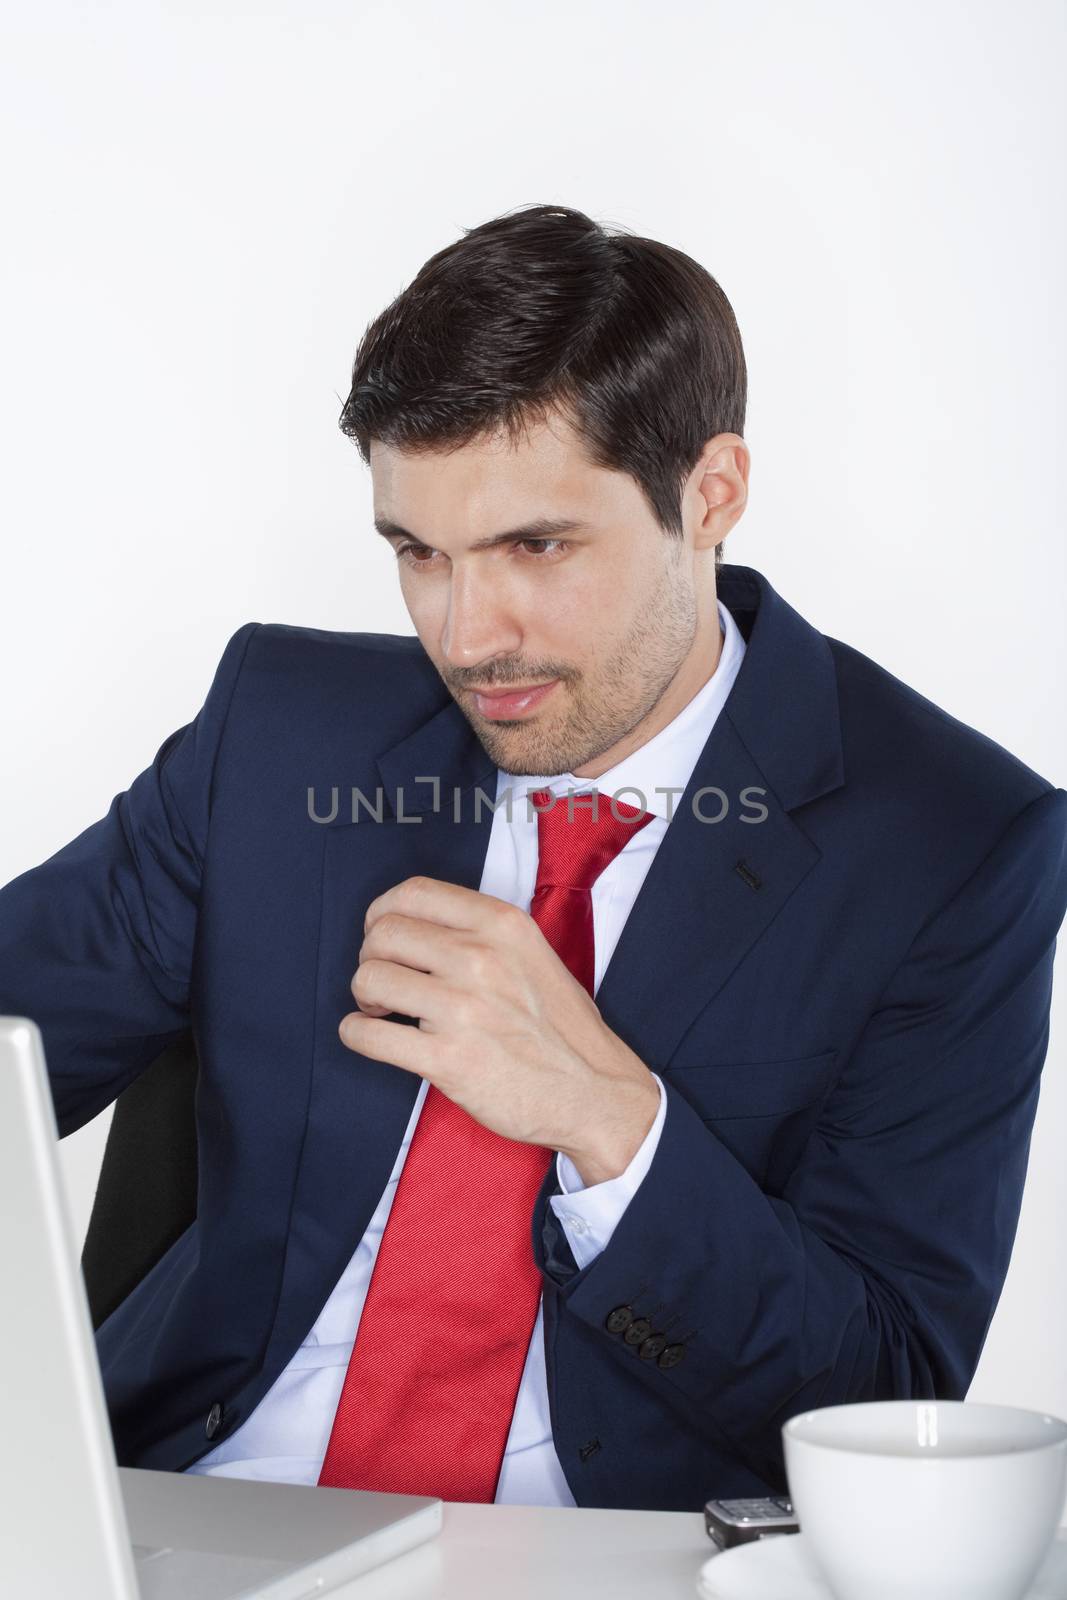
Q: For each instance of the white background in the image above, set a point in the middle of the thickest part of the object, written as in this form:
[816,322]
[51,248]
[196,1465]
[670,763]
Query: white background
[205,205]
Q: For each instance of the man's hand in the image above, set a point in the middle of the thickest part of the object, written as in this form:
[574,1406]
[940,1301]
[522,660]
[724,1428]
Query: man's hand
[505,1030]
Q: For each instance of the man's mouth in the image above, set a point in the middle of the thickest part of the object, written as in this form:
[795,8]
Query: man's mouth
[502,703]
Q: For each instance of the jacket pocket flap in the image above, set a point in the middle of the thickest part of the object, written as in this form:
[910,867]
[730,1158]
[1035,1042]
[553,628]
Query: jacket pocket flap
[753,1088]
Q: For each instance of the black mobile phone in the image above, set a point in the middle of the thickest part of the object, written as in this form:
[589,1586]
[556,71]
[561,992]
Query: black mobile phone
[731,1522]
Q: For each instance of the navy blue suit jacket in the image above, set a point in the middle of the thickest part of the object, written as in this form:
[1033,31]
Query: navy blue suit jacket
[848,1002]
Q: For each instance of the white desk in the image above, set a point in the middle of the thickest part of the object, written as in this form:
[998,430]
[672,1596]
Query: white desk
[490,1552]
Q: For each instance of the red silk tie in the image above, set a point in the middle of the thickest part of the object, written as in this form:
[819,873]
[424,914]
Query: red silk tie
[430,1389]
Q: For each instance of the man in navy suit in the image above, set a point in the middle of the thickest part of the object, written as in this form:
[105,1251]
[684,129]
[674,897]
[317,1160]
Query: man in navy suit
[792,1129]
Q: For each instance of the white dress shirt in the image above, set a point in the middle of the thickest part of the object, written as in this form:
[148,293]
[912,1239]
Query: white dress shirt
[285,1437]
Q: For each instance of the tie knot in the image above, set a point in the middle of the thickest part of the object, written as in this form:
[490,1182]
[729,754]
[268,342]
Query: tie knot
[578,835]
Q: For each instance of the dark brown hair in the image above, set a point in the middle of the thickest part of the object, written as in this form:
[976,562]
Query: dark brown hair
[544,309]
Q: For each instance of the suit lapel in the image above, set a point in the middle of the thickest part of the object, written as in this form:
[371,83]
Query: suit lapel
[712,888]
[359,1108]
[715,885]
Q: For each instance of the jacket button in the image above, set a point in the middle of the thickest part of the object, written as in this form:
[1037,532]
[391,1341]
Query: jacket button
[638,1331]
[214,1420]
[652,1347]
[671,1356]
[620,1318]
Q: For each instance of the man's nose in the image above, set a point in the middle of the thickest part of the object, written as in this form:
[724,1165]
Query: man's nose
[480,624]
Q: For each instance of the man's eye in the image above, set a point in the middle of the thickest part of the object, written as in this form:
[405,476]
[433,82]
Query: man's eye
[544,554]
[411,553]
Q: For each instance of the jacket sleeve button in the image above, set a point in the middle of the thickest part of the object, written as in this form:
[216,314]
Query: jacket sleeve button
[214,1420]
[671,1356]
[653,1346]
[638,1331]
[619,1319]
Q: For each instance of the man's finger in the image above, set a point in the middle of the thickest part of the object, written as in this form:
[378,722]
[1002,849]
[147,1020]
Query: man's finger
[399,988]
[393,1042]
[417,943]
[451,904]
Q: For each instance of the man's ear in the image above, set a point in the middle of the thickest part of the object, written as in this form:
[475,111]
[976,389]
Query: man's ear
[717,492]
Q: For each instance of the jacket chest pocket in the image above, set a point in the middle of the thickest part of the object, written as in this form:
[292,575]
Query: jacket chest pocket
[762,1111]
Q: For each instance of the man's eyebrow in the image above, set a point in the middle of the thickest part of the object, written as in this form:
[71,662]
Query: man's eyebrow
[541,528]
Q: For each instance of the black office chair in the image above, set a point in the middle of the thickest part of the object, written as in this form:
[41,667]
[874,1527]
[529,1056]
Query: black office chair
[146,1193]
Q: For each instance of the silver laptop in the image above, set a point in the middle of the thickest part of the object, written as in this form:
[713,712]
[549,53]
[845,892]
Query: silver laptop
[74,1523]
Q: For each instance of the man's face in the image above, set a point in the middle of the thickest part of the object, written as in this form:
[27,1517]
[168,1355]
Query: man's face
[621,615]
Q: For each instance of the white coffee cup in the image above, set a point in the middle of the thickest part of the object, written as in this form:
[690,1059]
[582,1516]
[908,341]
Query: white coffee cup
[938,1499]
